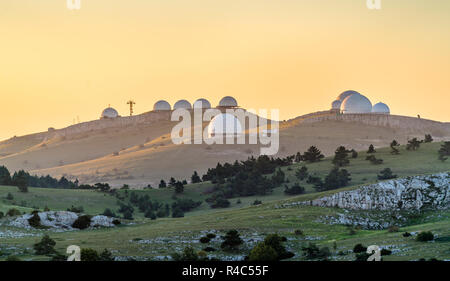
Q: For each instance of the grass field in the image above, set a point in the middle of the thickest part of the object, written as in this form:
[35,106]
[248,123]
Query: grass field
[146,239]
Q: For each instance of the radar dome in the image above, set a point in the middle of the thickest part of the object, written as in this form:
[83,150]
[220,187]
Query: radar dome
[381,108]
[109,113]
[202,103]
[345,94]
[182,104]
[336,104]
[356,103]
[162,105]
[224,124]
[228,102]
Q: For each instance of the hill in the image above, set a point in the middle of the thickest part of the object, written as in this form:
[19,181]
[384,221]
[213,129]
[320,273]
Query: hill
[138,150]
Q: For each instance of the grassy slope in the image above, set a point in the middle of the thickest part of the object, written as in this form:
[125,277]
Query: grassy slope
[249,219]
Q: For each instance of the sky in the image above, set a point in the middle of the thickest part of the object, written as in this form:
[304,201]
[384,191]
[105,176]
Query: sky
[59,65]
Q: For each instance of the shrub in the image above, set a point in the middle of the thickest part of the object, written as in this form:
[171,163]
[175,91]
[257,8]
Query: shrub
[107,212]
[204,240]
[82,222]
[106,255]
[299,232]
[406,234]
[177,213]
[359,248]
[128,215]
[211,235]
[209,249]
[13,212]
[385,252]
[88,254]
[386,174]
[74,209]
[35,220]
[263,252]
[231,241]
[363,256]
[1,215]
[45,246]
[9,196]
[313,252]
[150,214]
[257,202]
[393,228]
[425,236]
[116,222]
[188,254]
[294,190]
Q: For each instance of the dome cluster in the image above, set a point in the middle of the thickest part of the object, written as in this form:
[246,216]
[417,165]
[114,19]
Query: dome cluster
[352,102]
[162,105]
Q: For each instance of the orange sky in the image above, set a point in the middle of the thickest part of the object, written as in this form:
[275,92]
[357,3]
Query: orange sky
[294,55]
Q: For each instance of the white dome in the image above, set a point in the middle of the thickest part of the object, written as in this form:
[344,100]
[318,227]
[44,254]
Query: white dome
[109,113]
[228,102]
[345,94]
[202,103]
[381,108]
[336,104]
[161,105]
[182,104]
[356,103]
[224,124]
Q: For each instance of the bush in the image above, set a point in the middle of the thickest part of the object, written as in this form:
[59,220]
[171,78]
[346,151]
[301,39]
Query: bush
[9,196]
[363,256]
[150,214]
[294,190]
[211,235]
[106,255]
[88,254]
[177,213]
[299,232]
[386,174]
[263,252]
[35,220]
[393,228]
[82,222]
[116,222]
[385,252]
[1,215]
[209,249]
[425,236]
[188,254]
[128,215]
[107,212]
[257,202]
[406,234]
[204,240]
[13,212]
[45,246]
[359,248]
[74,209]
[313,252]
[231,241]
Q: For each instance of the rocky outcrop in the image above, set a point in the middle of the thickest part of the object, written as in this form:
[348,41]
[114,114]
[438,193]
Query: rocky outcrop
[411,193]
[60,220]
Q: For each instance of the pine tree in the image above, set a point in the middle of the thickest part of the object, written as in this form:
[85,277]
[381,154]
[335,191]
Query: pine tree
[302,173]
[298,157]
[231,241]
[386,174]
[371,149]
[179,187]
[444,151]
[394,147]
[413,144]
[162,184]
[428,138]
[341,157]
[21,181]
[5,176]
[313,154]
[195,178]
